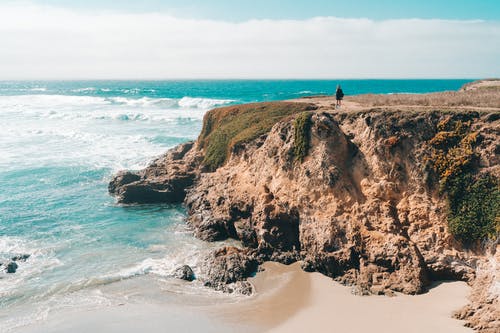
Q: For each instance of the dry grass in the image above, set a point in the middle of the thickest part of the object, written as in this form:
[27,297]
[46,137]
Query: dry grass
[482,84]
[487,96]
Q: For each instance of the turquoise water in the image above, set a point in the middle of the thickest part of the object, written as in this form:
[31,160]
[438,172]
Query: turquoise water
[60,142]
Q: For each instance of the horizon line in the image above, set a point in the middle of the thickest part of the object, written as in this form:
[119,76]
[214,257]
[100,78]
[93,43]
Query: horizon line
[252,79]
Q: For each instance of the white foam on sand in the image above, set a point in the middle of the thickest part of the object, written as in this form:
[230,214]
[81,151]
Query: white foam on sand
[286,300]
[129,306]
[41,259]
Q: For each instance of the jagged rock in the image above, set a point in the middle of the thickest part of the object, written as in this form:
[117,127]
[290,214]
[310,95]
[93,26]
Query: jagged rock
[11,267]
[213,230]
[21,257]
[163,181]
[483,311]
[239,287]
[184,273]
[150,192]
[121,179]
[224,267]
[267,253]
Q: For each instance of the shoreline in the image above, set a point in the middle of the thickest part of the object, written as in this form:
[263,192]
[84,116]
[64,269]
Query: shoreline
[287,299]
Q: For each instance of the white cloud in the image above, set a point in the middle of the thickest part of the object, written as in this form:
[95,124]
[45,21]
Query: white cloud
[47,42]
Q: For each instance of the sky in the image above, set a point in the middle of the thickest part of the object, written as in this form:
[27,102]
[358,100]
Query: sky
[325,39]
[235,10]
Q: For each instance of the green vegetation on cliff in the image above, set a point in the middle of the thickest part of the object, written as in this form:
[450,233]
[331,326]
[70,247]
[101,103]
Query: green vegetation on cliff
[225,128]
[302,134]
[453,149]
[474,203]
[473,199]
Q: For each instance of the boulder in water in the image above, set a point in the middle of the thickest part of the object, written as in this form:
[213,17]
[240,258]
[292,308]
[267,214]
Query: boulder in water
[21,257]
[184,273]
[11,267]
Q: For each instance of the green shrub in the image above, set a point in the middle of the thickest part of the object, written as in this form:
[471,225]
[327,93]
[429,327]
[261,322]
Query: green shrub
[225,128]
[473,200]
[302,135]
[474,207]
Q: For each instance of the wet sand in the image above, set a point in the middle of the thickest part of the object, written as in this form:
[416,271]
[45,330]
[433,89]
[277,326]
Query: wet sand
[287,300]
[144,304]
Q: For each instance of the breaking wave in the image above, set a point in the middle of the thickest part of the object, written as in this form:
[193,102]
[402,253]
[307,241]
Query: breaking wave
[41,259]
[46,101]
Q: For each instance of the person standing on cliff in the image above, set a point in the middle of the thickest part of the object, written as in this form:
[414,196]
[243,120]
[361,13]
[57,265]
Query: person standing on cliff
[339,95]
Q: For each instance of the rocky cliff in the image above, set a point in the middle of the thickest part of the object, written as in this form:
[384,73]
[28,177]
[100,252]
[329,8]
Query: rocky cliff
[365,195]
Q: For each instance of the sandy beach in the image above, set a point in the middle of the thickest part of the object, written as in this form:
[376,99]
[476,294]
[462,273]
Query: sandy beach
[291,300]
[287,299]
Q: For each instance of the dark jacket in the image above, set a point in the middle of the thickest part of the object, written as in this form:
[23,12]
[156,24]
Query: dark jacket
[339,94]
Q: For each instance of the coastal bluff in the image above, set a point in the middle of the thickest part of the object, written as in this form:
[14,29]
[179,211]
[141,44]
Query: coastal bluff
[387,194]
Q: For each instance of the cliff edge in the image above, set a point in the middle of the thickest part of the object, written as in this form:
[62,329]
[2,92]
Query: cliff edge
[386,198]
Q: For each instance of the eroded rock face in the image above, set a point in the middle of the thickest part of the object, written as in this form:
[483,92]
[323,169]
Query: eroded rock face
[345,210]
[363,207]
[483,312]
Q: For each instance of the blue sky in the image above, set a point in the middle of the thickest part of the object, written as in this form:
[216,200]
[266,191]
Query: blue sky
[194,39]
[293,9]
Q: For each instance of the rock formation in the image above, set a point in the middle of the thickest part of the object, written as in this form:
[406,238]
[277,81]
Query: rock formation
[184,273]
[226,269]
[164,180]
[12,265]
[363,205]
[483,311]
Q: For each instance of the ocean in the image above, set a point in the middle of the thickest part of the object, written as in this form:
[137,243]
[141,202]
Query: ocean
[60,143]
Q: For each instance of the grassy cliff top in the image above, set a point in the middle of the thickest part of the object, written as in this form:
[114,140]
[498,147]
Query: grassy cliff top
[224,128]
